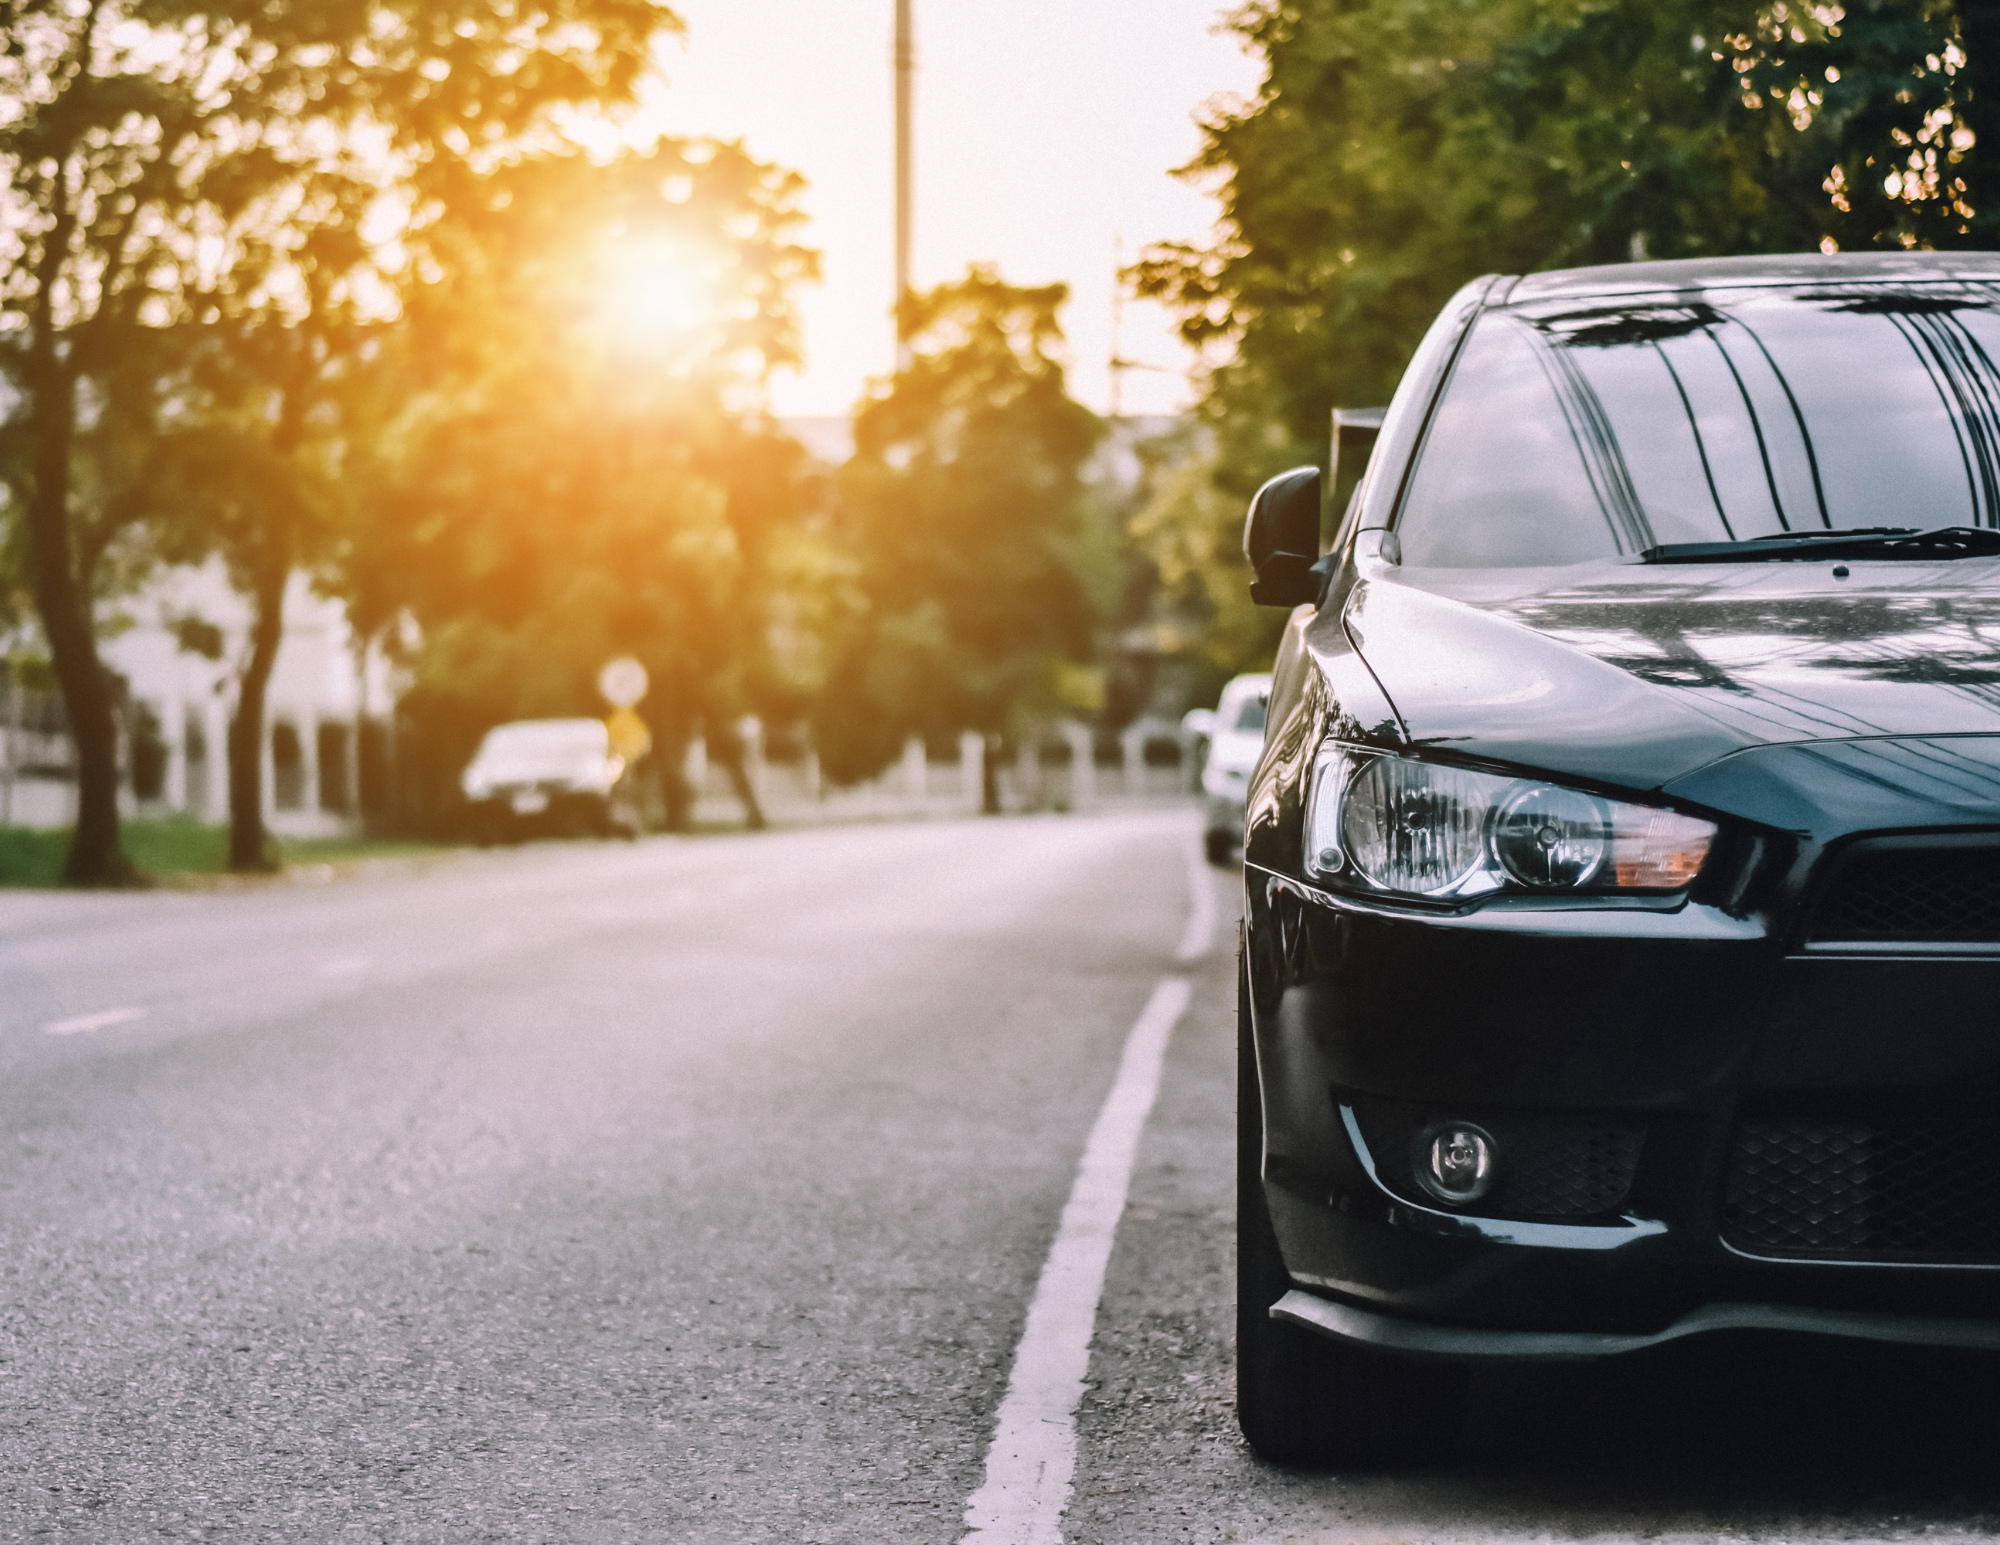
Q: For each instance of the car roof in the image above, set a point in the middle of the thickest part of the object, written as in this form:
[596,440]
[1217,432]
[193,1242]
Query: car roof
[539,728]
[1239,687]
[1729,272]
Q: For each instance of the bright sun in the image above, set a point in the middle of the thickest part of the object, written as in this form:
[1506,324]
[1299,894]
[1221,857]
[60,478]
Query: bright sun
[652,294]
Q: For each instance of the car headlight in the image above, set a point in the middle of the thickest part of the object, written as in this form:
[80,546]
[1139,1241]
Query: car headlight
[1403,827]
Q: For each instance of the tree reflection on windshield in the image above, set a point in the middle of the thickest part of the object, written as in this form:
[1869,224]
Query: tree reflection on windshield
[1569,435]
[1767,656]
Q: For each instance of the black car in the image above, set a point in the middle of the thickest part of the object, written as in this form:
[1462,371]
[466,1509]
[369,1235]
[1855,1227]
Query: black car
[1622,924]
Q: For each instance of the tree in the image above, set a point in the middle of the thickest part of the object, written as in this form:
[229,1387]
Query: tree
[1191,532]
[163,155]
[962,512]
[1399,148]
[583,471]
[249,471]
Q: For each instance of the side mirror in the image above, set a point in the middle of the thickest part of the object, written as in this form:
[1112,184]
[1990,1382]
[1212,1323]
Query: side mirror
[1198,724]
[1281,539]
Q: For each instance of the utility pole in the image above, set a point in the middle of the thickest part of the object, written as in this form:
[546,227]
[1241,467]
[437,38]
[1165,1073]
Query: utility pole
[906,69]
[1117,361]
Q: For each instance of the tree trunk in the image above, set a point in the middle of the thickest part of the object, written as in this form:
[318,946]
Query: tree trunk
[96,854]
[670,752]
[248,847]
[989,777]
[728,748]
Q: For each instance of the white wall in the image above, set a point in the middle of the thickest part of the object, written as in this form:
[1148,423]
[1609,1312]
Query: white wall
[316,680]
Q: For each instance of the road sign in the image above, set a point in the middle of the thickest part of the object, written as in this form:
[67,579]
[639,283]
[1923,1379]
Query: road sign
[629,736]
[622,681]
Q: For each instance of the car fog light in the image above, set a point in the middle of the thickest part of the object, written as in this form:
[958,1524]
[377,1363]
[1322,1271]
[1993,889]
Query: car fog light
[1455,1162]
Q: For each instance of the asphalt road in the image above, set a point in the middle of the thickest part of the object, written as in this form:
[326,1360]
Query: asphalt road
[697,1190]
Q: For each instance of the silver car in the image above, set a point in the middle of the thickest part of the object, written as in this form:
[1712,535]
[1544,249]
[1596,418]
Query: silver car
[1236,740]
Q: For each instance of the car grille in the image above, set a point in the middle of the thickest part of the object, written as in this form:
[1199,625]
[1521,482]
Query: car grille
[1906,1187]
[1914,895]
[1546,1166]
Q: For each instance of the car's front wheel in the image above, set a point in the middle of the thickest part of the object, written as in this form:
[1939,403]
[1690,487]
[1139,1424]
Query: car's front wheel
[1302,1398]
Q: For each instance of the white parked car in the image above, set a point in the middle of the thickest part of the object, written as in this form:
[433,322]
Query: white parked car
[1236,740]
[556,777]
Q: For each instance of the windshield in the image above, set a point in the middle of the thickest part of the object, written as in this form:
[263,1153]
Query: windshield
[1566,435]
[542,745]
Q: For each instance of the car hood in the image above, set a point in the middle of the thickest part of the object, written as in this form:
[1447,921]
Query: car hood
[1639,674]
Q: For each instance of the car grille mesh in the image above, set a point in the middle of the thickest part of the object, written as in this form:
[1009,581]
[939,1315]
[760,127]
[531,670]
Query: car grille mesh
[1545,1166]
[1913,895]
[1915,1187]
[1564,1170]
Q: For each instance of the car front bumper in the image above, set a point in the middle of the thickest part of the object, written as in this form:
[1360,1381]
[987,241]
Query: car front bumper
[1223,813]
[544,810]
[1656,1046]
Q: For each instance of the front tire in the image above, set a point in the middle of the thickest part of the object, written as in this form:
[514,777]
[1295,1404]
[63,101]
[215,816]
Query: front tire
[1218,847]
[1303,1398]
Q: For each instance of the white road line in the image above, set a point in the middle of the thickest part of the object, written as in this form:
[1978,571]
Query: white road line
[100,1021]
[1200,931]
[1031,1464]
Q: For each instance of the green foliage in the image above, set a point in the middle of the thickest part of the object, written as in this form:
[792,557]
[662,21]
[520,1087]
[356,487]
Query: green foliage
[1192,531]
[1399,148]
[32,858]
[242,171]
[975,575]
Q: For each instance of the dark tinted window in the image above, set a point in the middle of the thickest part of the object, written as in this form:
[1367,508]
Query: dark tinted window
[1251,715]
[1567,435]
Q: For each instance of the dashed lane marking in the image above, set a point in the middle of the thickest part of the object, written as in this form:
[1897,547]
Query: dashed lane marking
[99,1021]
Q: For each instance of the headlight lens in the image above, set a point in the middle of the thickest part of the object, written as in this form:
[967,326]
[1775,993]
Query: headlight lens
[1550,838]
[1409,827]
[1424,829]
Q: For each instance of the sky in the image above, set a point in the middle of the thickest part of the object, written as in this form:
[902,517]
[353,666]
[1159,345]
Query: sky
[1045,134]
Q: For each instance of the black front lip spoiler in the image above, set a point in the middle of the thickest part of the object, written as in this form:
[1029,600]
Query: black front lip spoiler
[1344,1322]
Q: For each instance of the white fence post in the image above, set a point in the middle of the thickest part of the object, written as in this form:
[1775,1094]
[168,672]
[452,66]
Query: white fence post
[1082,766]
[694,768]
[972,771]
[750,729]
[215,781]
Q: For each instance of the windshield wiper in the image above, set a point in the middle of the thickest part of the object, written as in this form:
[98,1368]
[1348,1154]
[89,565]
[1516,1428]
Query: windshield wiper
[1863,542]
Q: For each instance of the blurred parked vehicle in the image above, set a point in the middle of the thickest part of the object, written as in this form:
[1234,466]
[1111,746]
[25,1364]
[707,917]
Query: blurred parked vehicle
[1235,733]
[1622,904]
[549,777]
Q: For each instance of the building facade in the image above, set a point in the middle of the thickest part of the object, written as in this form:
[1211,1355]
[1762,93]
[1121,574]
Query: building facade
[175,648]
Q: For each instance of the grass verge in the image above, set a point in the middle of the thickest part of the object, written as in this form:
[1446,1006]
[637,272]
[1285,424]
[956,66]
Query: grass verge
[34,858]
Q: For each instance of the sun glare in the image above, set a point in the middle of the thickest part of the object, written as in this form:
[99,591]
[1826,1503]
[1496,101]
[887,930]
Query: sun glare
[654,295]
